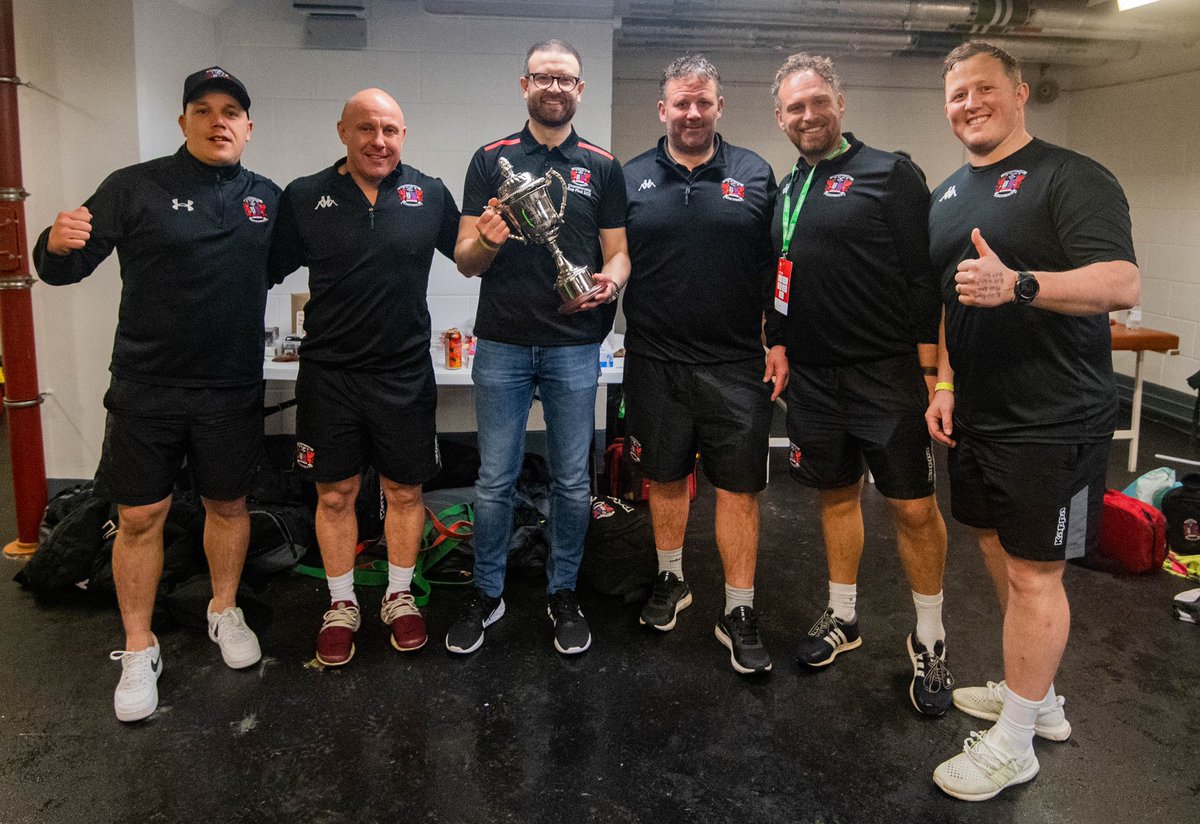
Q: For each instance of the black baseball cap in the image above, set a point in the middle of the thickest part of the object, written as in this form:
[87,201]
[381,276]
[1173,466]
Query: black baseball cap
[214,78]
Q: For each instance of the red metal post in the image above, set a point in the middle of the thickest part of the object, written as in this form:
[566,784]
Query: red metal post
[22,396]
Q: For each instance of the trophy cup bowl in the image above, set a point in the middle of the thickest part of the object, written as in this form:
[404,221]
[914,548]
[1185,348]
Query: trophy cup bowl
[532,217]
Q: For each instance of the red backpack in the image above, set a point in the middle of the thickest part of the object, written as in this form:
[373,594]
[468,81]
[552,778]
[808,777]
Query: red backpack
[1133,534]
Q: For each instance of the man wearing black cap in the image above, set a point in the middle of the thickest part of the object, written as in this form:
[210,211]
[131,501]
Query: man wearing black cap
[192,234]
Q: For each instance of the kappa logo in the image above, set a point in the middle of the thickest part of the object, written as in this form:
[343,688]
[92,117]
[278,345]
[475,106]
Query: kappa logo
[646,184]
[305,455]
[176,204]
[1009,183]
[733,190]
[325,202]
[255,209]
[635,450]
[949,193]
[793,455]
[1061,527]
[838,185]
[411,195]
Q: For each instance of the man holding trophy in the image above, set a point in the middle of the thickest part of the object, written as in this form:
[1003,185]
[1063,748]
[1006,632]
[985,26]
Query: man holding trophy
[546,301]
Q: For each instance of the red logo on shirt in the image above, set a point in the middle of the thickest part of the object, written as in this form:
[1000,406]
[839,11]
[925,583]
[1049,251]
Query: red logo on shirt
[581,176]
[411,195]
[838,185]
[305,455]
[1009,183]
[794,455]
[255,209]
[733,190]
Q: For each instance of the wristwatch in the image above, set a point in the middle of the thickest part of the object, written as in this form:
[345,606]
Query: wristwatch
[1025,289]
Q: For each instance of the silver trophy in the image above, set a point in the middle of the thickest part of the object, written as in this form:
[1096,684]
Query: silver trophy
[532,216]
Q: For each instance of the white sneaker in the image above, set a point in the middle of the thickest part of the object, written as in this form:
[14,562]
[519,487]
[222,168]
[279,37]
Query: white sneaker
[987,702]
[981,771]
[238,643]
[137,691]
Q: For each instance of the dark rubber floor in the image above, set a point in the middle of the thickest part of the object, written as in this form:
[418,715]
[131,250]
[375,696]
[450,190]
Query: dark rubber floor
[645,727]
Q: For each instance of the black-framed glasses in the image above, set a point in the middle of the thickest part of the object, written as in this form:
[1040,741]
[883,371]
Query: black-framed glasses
[566,82]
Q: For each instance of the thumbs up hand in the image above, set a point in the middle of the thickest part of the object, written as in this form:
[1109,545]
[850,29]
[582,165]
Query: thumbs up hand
[984,281]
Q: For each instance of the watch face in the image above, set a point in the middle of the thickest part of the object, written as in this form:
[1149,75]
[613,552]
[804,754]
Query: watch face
[1027,288]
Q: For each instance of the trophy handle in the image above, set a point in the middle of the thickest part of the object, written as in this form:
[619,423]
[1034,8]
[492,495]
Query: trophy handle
[562,206]
[514,233]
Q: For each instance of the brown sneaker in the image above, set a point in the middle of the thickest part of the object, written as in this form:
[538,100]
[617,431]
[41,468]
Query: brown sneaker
[400,612]
[335,643]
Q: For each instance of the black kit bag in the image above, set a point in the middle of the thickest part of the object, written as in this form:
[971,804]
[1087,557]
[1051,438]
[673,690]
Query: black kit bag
[1181,506]
[618,551]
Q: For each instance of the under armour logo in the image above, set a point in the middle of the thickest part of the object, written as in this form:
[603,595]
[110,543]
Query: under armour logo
[325,202]
[646,184]
[949,194]
[176,205]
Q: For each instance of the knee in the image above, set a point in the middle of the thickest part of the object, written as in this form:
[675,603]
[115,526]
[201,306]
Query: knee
[919,513]
[226,510]
[402,496]
[1034,578]
[337,498]
[137,521]
[740,504]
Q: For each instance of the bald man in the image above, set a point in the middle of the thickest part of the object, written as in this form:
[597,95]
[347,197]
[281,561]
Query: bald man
[366,228]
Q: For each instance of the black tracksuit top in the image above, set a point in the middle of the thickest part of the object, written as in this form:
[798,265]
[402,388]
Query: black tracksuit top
[368,266]
[192,241]
[703,264]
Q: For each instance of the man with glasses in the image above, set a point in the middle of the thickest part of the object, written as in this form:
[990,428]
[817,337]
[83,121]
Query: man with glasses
[700,242]
[527,344]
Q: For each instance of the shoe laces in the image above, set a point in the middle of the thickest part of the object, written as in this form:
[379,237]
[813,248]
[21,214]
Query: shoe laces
[825,624]
[937,674]
[983,755]
[743,623]
[229,625]
[137,666]
[666,581]
[565,607]
[398,605]
[344,616]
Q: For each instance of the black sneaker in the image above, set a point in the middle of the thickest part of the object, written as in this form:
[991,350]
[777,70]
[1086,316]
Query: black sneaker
[670,596]
[827,639]
[571,633]
[466,633]
[738,631]
[931,687]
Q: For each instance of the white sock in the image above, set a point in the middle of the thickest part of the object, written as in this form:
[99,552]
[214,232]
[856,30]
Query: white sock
[341,588]
[1013,733]
[842,598]
[736,597]
[929,619]
[399,579]
[671,560]
[1051,700]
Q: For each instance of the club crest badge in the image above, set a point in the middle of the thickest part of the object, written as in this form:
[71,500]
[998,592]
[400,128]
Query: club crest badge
[838,185]
[1009,183]
[255,209]
[733,190]
[411,195]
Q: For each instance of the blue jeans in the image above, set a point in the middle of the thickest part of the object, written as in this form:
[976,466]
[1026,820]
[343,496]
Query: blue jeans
[505,377]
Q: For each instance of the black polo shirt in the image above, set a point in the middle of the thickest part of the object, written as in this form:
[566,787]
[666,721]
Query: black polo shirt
[703,266]
[1022,373]
[192,242]
[862,288]
[517,300]
[368,266]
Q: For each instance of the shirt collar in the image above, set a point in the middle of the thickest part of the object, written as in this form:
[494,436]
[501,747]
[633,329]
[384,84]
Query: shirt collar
[204,171]
[530,143]
[386,183]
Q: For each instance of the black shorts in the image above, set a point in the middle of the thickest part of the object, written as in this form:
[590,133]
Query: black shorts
[842,416]
[151,429]
[721,410]
[347,420]
[1043,499]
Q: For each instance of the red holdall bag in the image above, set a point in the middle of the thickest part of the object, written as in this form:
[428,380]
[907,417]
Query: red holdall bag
[1133,534]
[624,474]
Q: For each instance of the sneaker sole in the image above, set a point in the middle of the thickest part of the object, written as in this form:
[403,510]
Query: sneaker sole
[1059,732]
[129,714]
[727,642]
[399,648]
[496,615]
[912,696]
[684,603]
[838,650]
[1020,778]
[337,663]
[574,650]
[1182,614]
[238,664]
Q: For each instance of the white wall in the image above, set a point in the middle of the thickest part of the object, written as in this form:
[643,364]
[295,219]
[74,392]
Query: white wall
[1148,135]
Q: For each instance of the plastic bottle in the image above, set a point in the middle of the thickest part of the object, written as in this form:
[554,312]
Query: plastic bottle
[1134,320]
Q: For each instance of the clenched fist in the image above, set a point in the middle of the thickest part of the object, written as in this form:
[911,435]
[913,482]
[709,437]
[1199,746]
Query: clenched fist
[71,230]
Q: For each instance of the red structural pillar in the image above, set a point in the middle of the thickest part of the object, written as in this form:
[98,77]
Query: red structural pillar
[22,397]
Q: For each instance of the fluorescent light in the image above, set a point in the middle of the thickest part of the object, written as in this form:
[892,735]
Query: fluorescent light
[1126,5]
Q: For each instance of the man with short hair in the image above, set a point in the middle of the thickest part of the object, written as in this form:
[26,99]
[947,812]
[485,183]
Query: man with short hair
[366,228]
[1034,247]
[698,221]
[525,343]
[856,307]
[192,232]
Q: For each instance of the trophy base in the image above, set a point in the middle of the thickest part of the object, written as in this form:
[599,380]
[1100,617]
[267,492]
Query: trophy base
[576,303]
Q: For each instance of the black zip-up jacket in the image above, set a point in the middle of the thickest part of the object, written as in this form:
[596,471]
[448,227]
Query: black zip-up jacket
[192,241]
[862,287]
[368,266]
[703,264]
